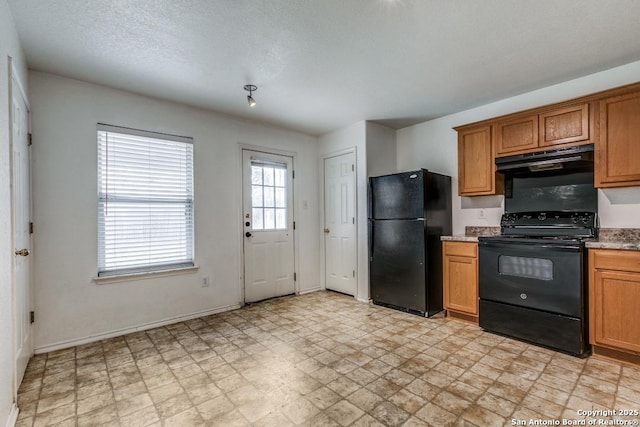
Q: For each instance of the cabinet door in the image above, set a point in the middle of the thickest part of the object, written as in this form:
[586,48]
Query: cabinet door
[615,318]
[516,135]
[476,168]
[461,283]
[566,125]
[617,154]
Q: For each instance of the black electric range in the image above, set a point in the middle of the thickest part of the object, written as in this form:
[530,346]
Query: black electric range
[532,281]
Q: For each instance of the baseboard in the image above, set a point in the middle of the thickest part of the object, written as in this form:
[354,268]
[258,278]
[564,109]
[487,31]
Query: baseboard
[366,300]
[308,291]
[119,332]
[13,416]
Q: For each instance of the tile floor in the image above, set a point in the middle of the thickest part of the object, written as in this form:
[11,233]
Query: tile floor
[320,359]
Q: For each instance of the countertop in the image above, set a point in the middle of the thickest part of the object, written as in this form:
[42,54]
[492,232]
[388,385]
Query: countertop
[471,234]
[616,238]
[609,238]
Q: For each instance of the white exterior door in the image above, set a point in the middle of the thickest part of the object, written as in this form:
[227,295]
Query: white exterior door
[267,225]
[340,223]
[21,187]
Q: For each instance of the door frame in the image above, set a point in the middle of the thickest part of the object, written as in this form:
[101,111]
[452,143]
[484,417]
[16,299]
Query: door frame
[240,210]
[13,76]
[323,261]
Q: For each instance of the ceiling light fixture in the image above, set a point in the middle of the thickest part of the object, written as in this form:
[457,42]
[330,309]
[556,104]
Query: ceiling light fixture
[250,89]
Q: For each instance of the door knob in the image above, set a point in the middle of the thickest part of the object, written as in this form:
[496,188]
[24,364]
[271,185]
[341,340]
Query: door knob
[23,252]
[247,234]
[326,230]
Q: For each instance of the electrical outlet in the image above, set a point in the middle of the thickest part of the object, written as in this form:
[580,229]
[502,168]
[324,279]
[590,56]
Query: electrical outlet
[481,214]
[205,281]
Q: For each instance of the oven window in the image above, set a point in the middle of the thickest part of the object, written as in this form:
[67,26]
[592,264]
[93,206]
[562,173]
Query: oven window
[531,268]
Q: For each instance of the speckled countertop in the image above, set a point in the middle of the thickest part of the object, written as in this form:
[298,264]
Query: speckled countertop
[616,238]
[471,234]
[609,238]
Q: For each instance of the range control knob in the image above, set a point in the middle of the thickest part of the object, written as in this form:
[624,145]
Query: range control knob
[542,216]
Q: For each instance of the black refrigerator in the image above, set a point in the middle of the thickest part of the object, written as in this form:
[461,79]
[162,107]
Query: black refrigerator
[408,212]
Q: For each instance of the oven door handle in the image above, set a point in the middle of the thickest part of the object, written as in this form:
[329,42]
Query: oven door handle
[512,245]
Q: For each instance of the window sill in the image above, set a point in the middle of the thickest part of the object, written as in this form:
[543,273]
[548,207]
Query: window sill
[144,275]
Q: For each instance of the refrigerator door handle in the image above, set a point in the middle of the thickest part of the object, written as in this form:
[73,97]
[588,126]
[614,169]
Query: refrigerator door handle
[371,239]
[370,198]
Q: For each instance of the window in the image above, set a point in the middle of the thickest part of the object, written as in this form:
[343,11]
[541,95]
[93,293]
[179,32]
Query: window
[531,268]
[269,195]
[145,201]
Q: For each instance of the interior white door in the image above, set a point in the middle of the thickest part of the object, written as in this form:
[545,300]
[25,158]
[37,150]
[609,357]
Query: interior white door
[267,225]
[340,223]
[21,234]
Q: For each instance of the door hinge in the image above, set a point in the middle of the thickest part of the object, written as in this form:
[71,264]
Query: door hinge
[30,138]
[294,225]
[353,168]
[32,316]
[30,228]
[353,219]
[295,276]
[293,174]
[354,273]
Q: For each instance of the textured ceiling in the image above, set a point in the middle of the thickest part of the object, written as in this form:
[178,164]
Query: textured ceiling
[323,64]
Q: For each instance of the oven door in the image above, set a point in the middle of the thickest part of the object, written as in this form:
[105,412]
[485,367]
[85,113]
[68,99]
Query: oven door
[532,273]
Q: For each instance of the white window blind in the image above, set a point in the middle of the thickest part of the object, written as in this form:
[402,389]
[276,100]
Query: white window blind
[145,201]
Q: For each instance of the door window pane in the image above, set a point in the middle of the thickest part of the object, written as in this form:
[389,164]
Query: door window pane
[258,221]
[256,175]
[269,219]
[280,177]
[281,198]
[268,176]
[269,196]
[256,195]
[281,219]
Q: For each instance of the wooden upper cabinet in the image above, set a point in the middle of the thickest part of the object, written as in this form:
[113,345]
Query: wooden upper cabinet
[476,167]
[609,119]
[522,134]
[516,135]
[565,125]
[618,151]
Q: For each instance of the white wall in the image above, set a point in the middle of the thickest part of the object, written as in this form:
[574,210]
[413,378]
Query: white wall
[433,145]
[70,306]
[381,149]
[9,47]
[353,137]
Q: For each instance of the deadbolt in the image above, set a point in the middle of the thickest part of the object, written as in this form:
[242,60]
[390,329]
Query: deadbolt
[23,252]
[326,230]
[247,234]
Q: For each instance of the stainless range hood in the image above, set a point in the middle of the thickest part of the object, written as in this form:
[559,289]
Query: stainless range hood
[572,159]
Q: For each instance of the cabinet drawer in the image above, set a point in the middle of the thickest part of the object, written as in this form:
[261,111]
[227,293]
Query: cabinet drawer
[616,260]
[467,249]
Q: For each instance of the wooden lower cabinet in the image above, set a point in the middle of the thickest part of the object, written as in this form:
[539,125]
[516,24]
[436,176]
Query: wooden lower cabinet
[614,294]
[460,279]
